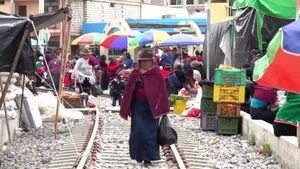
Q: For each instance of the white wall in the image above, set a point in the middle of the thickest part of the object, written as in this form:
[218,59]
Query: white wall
[156,12]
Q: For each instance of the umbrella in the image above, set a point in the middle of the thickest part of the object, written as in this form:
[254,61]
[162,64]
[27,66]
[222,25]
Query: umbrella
[89,39]
[279,68]
[149,37]
[118,40]
[180,40]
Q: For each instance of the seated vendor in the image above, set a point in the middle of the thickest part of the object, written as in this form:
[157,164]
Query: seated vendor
[264,104]
[287,117]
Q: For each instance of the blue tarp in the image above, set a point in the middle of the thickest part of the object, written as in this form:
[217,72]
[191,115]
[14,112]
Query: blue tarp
[99,27]
[93,27]
[172,21]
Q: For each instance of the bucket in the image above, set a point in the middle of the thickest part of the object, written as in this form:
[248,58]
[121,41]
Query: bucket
[179,106]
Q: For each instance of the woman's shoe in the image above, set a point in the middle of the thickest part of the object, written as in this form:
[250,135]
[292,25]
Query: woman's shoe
[147,163]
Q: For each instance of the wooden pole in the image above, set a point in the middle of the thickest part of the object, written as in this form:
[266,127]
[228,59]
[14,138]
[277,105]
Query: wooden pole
[298,134]
[5,111]
[22,98]
[65,44]
[12,69]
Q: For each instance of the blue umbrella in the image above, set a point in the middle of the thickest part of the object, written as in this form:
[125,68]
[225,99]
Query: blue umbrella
[180,40]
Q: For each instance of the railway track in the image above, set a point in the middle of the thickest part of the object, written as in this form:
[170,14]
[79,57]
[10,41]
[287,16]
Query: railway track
[77,149]
[115,150]
[109,149]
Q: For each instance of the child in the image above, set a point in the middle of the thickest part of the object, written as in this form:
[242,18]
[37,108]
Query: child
[117,88]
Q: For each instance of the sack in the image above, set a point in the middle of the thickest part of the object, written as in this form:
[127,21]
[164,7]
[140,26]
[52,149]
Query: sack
[96,90]
[166,134]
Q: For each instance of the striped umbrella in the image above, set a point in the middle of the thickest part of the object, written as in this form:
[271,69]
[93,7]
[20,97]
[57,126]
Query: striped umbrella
[279,68]
[89,39]
[150,37]
[118,40]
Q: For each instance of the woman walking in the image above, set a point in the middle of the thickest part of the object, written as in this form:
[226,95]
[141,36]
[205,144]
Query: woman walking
[145,100]
[83,72]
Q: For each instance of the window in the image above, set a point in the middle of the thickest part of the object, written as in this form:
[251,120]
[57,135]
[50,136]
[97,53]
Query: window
[176,2]
[189,2]
[201,1]
[51,5]
[2,2]
[23,10]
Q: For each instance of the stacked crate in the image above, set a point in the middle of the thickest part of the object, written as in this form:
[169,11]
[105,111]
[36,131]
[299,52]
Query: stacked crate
[229,93]
[208,107]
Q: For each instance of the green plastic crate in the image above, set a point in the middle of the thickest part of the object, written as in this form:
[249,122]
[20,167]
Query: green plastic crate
[208,122]
[235,77]
[207,89]
[228,125]
[208,105]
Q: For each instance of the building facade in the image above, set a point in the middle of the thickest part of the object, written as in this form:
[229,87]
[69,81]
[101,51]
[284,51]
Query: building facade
[220,9]
[22,7]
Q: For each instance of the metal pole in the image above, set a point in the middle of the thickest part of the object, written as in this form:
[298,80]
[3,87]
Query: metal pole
[5,111]
[208,41]
[22,97]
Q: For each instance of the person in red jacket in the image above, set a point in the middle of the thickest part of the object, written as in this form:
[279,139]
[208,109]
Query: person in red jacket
[146,100]
[112,68]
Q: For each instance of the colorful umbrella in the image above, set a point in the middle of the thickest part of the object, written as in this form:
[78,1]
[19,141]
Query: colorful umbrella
[118,40]
[149,37]
[280,67]
[89,39]
[181,40]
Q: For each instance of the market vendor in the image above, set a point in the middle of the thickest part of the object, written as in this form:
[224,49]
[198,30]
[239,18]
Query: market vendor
[287,117]
[83,72]
[264,104]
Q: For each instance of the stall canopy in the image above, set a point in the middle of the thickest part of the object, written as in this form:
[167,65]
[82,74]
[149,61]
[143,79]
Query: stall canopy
[279,68]
[267,16]
[12,29]
[45,20]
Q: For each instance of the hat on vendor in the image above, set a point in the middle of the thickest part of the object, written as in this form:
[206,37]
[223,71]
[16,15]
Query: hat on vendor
[41,58]
[144,54]
[85,50]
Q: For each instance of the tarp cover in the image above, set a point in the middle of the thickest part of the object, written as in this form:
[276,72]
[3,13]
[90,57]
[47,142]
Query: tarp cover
[12,29]
[245,36]
[44,20]
[285,9]
[216,55]
[252,30]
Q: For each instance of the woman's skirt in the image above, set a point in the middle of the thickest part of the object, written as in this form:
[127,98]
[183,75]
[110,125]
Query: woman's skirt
[143,135]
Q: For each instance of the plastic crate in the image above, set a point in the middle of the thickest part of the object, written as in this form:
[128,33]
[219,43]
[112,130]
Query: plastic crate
[228,110]
[208,122]
[207,90]
[228,125]
[72,102]
[230,94]
[208,105]
[230,77]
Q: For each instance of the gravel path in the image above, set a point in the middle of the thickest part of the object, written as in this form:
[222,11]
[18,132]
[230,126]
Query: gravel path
[32,149]
[225,152]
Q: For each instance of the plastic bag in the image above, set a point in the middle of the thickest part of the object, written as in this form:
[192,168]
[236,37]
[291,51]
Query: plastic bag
[166,134]
[96,90]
